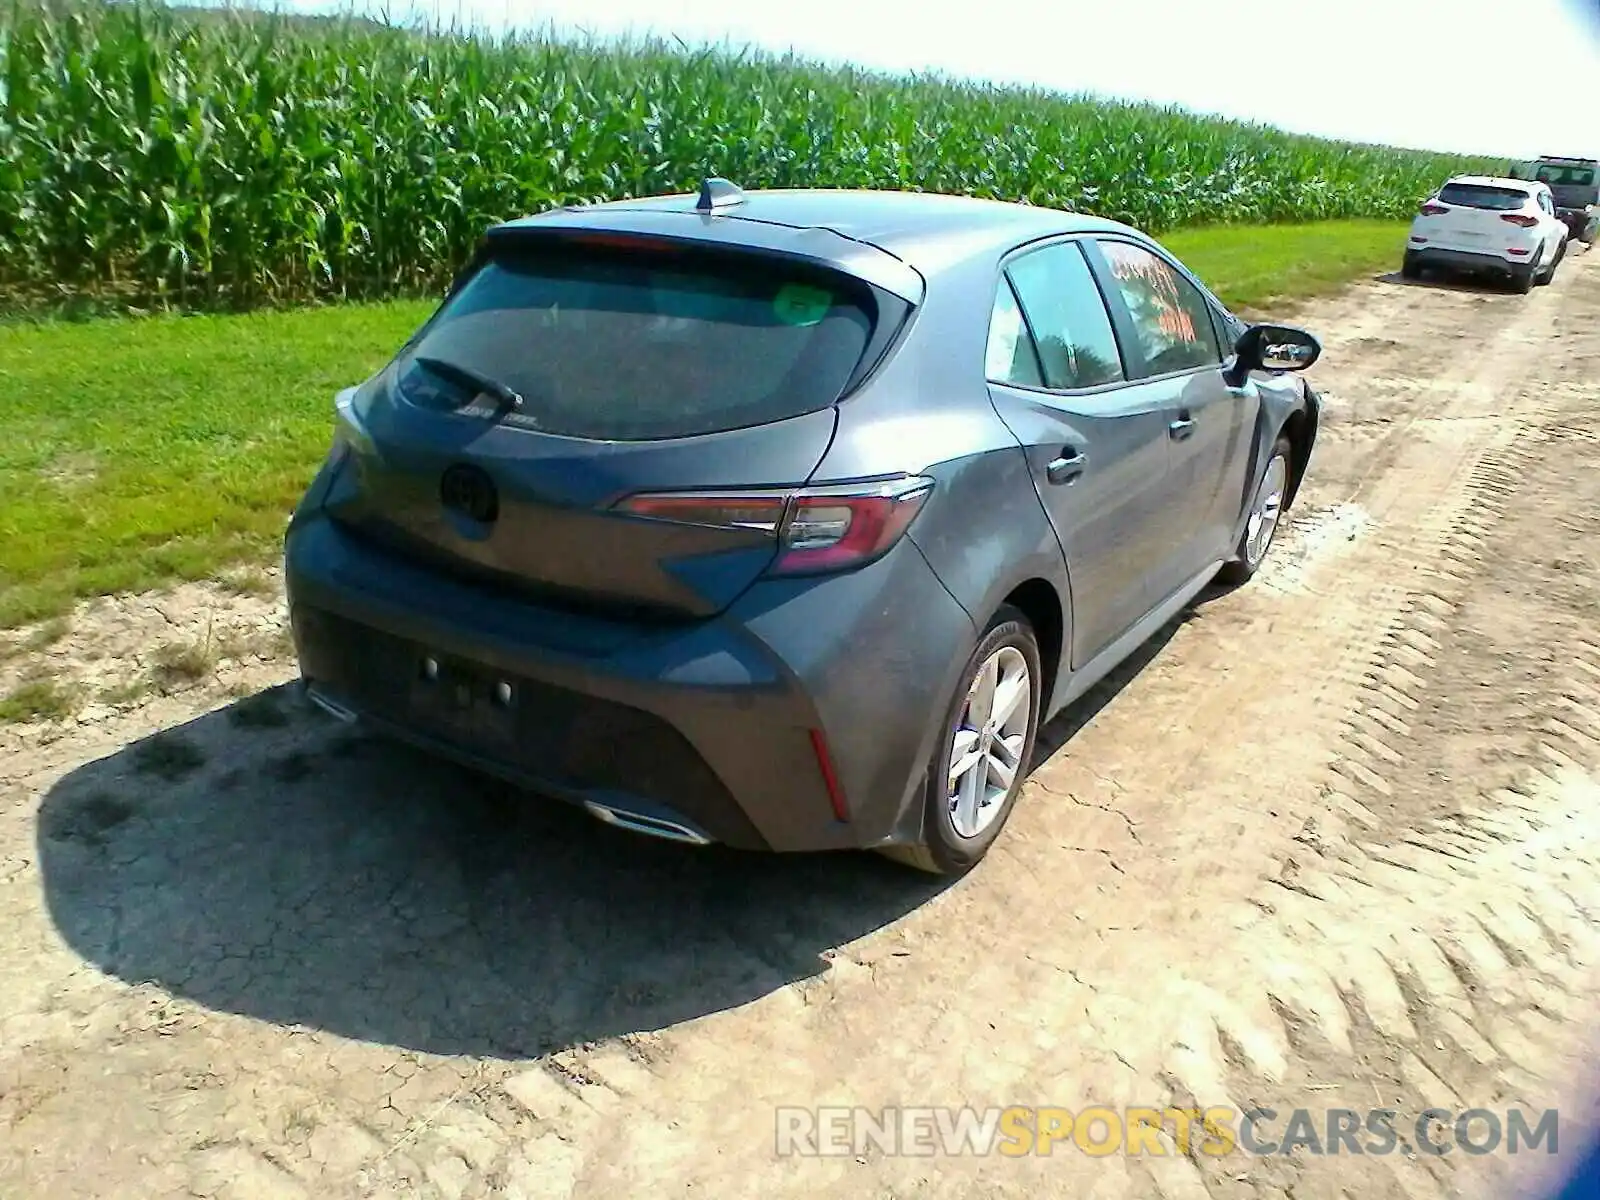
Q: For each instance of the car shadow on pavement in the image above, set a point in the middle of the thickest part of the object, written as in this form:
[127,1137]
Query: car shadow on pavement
[1485,285]
[265,860]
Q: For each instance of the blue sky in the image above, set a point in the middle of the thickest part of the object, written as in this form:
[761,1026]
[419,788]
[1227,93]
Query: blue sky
[1507,77]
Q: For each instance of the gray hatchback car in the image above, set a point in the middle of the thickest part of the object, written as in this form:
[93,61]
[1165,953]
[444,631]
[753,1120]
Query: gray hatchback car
[783,519]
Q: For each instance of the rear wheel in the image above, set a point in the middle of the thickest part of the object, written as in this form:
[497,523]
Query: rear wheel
[1266,510]
[1550,272]
[982,758]
[1522,278]
[1410,266]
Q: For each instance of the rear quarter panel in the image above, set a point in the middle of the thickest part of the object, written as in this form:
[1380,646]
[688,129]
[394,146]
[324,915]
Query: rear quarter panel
[928,412]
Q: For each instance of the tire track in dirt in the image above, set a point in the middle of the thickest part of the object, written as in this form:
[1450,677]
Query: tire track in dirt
[1460,924]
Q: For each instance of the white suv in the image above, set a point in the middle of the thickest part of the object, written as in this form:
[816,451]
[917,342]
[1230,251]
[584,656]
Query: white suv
[1476,223]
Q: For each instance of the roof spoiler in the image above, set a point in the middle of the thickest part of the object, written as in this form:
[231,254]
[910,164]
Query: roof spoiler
[695,228]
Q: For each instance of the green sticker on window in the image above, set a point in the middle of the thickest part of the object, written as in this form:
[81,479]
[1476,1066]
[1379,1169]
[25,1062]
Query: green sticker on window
[797,304]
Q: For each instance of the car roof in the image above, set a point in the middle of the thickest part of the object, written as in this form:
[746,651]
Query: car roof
[924,229]
[1520,185]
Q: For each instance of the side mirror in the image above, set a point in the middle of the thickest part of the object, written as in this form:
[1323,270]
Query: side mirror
[1271,348]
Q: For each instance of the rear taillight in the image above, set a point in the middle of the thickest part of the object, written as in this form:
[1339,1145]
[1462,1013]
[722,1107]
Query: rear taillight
[1526,220]
[762,513]
[825,528]
[1433,210]
[349,427]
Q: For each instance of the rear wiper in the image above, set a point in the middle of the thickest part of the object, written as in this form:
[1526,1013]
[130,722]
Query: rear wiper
[472,378]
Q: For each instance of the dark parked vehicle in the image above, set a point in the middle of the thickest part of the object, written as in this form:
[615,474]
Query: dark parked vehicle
[1575,184]
[783,519]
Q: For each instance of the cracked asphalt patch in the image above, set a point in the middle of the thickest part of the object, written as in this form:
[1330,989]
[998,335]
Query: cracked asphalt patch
[1327,841]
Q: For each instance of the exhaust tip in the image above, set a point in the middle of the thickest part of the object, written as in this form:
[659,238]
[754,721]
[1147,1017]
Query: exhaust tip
[329,705]
[651,826]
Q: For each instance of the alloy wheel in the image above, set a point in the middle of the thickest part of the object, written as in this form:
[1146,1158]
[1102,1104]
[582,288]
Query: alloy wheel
[991,734]
[1266,510]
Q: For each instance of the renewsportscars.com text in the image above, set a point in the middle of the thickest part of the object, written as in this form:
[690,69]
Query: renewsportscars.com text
[1021,1130]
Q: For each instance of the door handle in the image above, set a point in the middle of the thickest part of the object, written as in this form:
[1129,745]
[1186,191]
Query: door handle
[1066,468]
[1180,429]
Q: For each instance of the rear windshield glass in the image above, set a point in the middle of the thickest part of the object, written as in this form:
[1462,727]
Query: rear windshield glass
[640,345]
[1479,195]
[1567,176]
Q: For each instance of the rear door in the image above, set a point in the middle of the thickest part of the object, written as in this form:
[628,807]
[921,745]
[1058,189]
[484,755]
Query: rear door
[1096,445]
[561,379]
[1171,338]
[1555,229]
[1539,216]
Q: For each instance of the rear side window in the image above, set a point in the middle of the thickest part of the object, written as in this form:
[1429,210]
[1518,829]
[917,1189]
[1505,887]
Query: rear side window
[1011,358]
[637,345]
[1071,328]
[1567,176]
[1170,318]
[1483,195]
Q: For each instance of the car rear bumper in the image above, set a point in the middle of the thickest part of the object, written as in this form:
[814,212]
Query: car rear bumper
[1465,260]
[713,730]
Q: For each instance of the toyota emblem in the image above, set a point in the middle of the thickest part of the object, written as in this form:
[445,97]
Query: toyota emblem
[469,491]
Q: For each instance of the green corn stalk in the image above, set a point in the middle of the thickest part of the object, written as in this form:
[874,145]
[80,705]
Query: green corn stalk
[195,158]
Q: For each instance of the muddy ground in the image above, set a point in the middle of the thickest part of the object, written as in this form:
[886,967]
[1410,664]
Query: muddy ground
[1330,841]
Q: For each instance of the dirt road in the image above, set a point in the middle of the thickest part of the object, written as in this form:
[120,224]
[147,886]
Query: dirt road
[1331,842]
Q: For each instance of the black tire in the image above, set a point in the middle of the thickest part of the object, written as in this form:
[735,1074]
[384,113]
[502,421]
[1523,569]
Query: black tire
[1410,266]
[1241,569]
[1522,279]
[943,850]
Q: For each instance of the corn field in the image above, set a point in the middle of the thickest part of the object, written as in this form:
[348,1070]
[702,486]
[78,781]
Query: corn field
[158,156]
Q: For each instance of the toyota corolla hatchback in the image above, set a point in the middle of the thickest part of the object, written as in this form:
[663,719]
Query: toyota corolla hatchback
[783,519]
